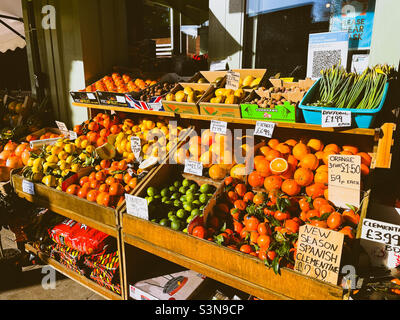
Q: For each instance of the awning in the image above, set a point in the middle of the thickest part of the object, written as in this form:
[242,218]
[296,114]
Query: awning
[12,31]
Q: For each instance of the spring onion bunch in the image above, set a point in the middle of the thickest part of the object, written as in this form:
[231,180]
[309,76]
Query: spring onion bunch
[340,89]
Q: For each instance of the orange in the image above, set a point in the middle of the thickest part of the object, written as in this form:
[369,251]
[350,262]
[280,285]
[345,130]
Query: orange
[364,169]
[273,183]
[292,226]
[264,150]
[326,208]
[304,205]
[315,145]
[101,176]
[290,187]
[320,155]
[133,183]
[279,166]
[116,189]
[334,221]
[104,188]
[309,161]
[273,143]
[111,180]
[264,241]
[332,148]
[241,189]
[251,223]
[316,190]
[352,149]
[264,229]
[326,156]
[73,189]
[95,184]
[83,192]
[262,166]
[319,202]
[292,161]
[283,148]
[92,195]
[348,232]
[320,224]
[216,172]
[365,158]
[300,151]
[291,142]
[349,216]
[273,154]
[122,165]
[322,168]
[304,177]
[259,198]
[255,179]
[321,177]
[248,197]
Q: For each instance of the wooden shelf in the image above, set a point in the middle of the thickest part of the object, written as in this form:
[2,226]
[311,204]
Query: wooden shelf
[91,285]
[124,109]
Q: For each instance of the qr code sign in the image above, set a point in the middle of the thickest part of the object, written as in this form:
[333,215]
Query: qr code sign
[324,60]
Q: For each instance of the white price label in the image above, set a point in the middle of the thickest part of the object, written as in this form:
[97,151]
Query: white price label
[194,167]
[73,135]
[264,129]
[62,127]
[335,119]
[28,187]
[382,232]
[219,127]
[136,146]
[232,80]
[121,99]
[156,106]
[137,207]
[91,96]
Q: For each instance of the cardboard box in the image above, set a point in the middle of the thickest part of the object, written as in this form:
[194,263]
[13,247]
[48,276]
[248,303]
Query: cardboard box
[282,113]
[84,97]
[186,107]
[178,286]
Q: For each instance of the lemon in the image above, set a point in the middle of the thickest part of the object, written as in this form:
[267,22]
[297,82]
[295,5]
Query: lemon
[37,169]
[62,156]
[38,162]
[75,167]
[70,148]
[30,162]
[90,149]
[55,150]
[59,188]
[49,181]
[120,137]
[70,159]
[53,159]
[37,177]
[82,157]
[65,173]
[48,149]
[84,144]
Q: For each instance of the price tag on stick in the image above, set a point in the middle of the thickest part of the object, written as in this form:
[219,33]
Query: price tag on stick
[335,119]
[63,128]
[344,180]
[319,252]
[28,187]
[136,146]
[264,129]
[137,207]
[219,127]
[194,167]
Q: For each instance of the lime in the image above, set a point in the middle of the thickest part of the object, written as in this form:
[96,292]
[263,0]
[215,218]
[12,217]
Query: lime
[185,230]
[195,212]
[205,188]
[164,222]
[175,196]
[202,207]
[194,187]
[154,221]
[189,192]
[150,200]
[189,198]
[164,199]
[182,190]
[183,199]
[169,203]
[181,214]
[203,199]
[177,204]
[173,218]
[157,196]
[170,214]
[189,219]
[172,189]
[186,183]
[176,225]
[151,191]
[188,207]
[196,203]
[177,184]
[165,192]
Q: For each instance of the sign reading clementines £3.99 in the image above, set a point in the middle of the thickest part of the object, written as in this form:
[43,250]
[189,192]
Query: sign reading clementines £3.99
[344,180]
[319,252]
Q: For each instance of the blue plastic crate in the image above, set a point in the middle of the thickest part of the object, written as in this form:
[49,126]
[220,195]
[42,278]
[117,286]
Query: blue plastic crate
[363,118]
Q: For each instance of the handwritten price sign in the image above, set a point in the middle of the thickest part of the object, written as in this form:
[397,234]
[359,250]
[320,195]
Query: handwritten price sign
[382,232]
[344,180]
[194,167]
[136,146]
[137,207]
[336,119]
[219,127]
[265,129]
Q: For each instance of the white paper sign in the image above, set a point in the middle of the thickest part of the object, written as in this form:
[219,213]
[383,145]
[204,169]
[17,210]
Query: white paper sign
[218,65]
[156,106]
[28,187]
[264,129]
[137,207]
[194,167]
[62,127]
[382,232]
[219,127]
[91,96]
[73,135]
[335,119]
[136,146]
[121,99]
[232,80]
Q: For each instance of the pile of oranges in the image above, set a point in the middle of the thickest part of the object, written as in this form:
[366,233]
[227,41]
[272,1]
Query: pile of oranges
[120,84]
[261,214]
[107,184]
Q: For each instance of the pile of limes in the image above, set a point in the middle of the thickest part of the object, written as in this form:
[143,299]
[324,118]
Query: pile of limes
[175,206]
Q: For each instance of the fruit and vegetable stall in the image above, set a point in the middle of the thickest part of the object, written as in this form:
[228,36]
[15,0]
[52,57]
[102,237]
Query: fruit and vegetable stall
[232,174]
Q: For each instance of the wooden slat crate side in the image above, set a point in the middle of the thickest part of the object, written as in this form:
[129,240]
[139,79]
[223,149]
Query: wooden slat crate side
[289,283]
[96,216]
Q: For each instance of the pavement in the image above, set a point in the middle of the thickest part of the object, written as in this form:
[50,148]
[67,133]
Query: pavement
[27,284]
